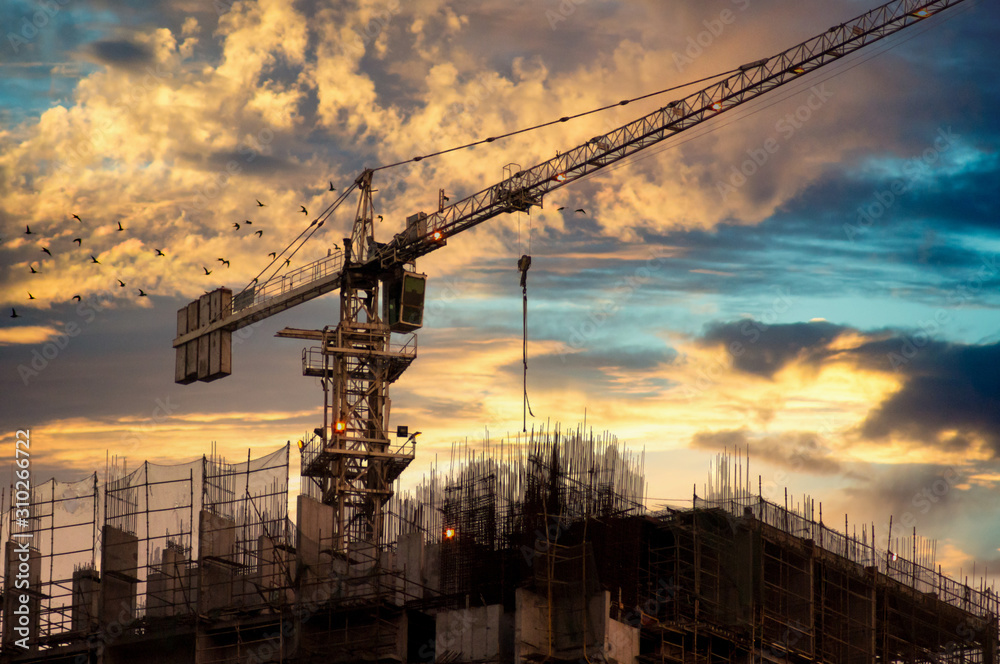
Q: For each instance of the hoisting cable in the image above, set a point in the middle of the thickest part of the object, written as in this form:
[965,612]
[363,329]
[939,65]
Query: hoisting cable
[523,264]
[565,118]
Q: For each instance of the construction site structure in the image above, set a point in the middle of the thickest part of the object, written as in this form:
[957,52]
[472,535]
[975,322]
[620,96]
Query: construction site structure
[353,458]
[536,549]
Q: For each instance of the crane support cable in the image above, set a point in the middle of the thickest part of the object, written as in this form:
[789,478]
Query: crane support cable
[565,118]
[526,188]
[308,232]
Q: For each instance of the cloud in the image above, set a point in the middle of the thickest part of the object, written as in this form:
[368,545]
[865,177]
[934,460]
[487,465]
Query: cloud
[27,335]
[121,53]
[800,451]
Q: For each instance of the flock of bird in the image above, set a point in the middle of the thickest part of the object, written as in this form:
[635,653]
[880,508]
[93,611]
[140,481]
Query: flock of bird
[121,284]
[160,253]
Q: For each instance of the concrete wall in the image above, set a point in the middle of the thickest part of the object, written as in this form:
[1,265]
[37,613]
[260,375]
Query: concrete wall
[476,634]
[119,567]
[86,600]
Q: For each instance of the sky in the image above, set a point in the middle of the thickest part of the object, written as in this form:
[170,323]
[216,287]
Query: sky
[813,277]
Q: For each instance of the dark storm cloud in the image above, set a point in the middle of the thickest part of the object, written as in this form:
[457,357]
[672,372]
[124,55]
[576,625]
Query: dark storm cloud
[950,393]
[764,350]
[949,390]
[121,53]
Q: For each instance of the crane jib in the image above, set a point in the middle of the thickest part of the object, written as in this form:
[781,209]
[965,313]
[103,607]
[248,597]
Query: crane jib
[204,325]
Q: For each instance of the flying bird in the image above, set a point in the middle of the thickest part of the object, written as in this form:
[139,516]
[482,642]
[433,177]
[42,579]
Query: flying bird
[79,241]
[77,217]
[13,313]
[94,260]
[30,296]
[560,209]
[27,230]
[121,284]
[259,233]
[288,261]
[77,298]
[236,226]
[120,229]
[272,254]
[46,250]
[247,221]
[32,268]
[223,261]
[380,217]
[207,271]
[331,187]
[580,210]
[259,204]
[142,293]
[159,252]
[304,210]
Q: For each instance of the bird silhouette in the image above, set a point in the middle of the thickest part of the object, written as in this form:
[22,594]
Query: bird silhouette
[580,210]
[13,313]
[247,221]
[121,284]
[27,230]
[259,233]
[120,229]
[94,260]
[159,252]
[142,293]
[560,209]
[77,217]
[77,298]
[259,204]
[288,261]
[207,271]
[78,240]
[236,226]
[46,250]
[223,261]
[272,254]
[33,270]
[30,296]
[331,187]
[380,217]
[304,210]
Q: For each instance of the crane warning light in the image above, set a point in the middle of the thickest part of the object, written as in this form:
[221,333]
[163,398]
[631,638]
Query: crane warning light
[561,177]
[437,236]
[340,426]
[449,533]
[798,70]
[717,106]
[922,13]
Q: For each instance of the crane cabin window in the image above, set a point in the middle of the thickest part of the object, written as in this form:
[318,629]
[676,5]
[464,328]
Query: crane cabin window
[403,302]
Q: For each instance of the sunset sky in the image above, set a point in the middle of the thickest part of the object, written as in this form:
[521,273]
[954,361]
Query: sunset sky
[814,275]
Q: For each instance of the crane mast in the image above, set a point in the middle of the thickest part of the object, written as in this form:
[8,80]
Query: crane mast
[352,458]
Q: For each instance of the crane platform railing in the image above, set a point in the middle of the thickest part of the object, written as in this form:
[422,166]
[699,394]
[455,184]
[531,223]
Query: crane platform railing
[280,285]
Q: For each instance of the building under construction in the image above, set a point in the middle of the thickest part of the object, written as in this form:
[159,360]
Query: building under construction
[527,551]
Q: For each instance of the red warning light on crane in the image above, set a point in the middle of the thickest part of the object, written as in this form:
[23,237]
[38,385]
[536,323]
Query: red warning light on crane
[561,177]
[449,533]
[340,426]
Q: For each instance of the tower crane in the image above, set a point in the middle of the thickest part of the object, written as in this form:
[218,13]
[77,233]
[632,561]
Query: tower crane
[351,457]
